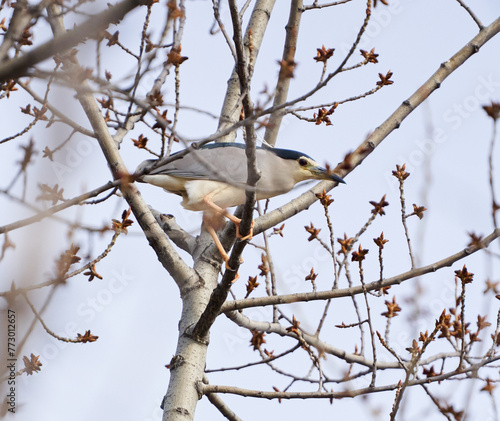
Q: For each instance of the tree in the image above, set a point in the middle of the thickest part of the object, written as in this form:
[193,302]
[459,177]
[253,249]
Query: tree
[373,311]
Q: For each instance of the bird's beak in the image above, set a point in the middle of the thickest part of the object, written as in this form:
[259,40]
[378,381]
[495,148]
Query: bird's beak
[324,174]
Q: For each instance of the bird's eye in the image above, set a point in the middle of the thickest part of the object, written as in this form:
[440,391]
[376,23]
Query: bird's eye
[302,162]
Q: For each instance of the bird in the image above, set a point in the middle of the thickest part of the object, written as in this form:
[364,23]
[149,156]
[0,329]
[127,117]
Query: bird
[213,178]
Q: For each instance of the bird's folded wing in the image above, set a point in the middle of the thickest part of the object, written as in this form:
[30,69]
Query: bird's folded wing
[207,164]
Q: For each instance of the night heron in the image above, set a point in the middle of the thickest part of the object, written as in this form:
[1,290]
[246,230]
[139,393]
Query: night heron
[213,178]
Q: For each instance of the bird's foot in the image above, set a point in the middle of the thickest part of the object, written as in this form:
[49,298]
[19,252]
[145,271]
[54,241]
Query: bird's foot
[247,237]
[236,277]
[237,221]
[227,262]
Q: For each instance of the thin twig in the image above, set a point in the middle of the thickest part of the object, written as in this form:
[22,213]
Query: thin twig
[60,115]
[57,281]
[272,273]
[472,14]
[217,401]
[315,5]
[437,403]
[215,5]
[50,332]
[462,324]
[494,204]
[375,285]
[338,395]
[68,203]
[410,369]
[15,68]
[288,58]
[404,216]
[370,325]
[263,361]
[383,130]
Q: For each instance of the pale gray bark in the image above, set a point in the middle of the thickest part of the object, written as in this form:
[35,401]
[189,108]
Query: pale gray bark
[281,92]
[231,108]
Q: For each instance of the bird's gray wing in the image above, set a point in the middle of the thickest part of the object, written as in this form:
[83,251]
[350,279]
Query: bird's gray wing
[219,164]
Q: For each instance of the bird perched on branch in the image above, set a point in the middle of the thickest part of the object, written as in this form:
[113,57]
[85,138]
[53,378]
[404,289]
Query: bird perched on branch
[213,178]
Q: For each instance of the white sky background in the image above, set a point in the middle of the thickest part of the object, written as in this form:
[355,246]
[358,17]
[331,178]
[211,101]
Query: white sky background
[135,309]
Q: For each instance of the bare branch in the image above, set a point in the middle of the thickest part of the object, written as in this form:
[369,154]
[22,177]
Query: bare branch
[256,28]
[47,329]
[20,66]
[347,292]
[180,237]
[68,203]
[494,204]
[472,14]
[316,5]
[283,84]
[219,295]
[393,122]
[337,395]
[215,5]
[217,401]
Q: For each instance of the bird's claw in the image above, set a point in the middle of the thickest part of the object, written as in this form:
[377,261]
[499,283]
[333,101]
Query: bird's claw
[227,262]
[237,276]
[249,236]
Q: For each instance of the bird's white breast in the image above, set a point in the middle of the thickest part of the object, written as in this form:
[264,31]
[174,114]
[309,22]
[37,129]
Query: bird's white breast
[222,194]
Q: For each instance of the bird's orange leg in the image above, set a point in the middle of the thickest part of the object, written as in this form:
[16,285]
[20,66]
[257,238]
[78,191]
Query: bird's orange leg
[237,221]
[218,244]
[212,222]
